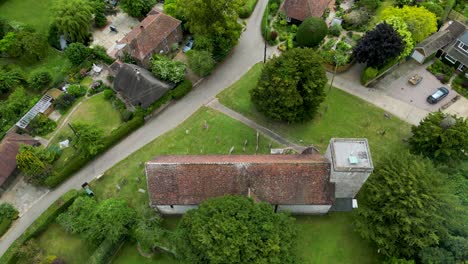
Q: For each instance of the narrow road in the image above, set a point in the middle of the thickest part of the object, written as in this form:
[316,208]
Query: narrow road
[215,104]
[248,52]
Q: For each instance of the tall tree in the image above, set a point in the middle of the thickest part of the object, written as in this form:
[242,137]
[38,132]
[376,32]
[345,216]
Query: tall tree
[137,8]
[404,205]
[89,139]
[378,46]
[421,23]
[73,18]
[10,78]
[311,32]
[201,62]
[216,19]
[400,26]
[234,229]
[441,137]
[291,86]
[35,162]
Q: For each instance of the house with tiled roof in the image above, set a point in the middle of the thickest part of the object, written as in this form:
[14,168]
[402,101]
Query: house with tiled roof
[9,148]
[440,42]
[457,52]
[298,10]
[301,183]
[154,35]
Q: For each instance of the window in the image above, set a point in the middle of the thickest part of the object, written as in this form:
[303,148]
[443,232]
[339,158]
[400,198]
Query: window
[450,58]
[463,46]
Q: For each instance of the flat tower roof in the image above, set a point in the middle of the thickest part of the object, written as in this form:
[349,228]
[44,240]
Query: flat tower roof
[350,154]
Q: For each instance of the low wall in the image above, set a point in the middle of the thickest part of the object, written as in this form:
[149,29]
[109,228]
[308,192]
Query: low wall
[304,209]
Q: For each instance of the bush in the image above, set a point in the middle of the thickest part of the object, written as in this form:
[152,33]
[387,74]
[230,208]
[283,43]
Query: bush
[108,94]
[8,213]
[335,30]
[201,62]
[368,74]
[76,90]
[126,115]
[41,125]
[460,84]
[182,89]
[311,32]
[246,10]
[167,69]
[99,53]
[273,35]
[64,101]
[77,53]
[370,5]
[77,163]
[442,71]
[356,19]
[40,80]
[104,252]
[41,223]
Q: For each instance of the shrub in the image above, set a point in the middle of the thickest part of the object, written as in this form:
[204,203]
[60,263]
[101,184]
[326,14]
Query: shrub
[99,53]
[41,223]
[41,125]
[8,213]
[167,69]
[343,46]
[311,32]
[246,10]
[335,30]
[368,74]
[442,71]
[76,90]
[77,53]
[40,80]
[356,19]
[108,94]
[105,251]
[126,115]
[64,101]
[182,89]
[273,35]
[370,5]
[201,62]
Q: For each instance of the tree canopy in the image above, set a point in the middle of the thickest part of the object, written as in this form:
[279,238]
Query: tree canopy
[402,29]
[35,162]
[73,18]
[421,23]
[234,229]
[291,86]
[137,8]
[167,69]
[441,137]
[379,46]
[403,205]
[201,62]
[89,139]
[311,32]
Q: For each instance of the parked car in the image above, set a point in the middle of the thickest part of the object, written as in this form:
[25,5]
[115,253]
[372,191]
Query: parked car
[438,95]
[188,46]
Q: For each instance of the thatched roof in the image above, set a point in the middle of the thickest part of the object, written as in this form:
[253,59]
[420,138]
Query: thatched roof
[138,86]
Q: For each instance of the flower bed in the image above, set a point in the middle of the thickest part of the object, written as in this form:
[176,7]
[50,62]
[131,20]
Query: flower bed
[441,71]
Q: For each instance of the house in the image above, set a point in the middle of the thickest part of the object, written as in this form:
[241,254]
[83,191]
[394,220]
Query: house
[457,52]
[43,106]
[298,10]
[434,44]
[9,148]
[302,184]
[154,35]
[137,85]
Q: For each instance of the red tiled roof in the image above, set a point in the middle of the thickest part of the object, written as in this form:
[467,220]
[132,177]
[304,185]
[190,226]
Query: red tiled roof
[147,35]
[302,9]
[8,150]
[277,179]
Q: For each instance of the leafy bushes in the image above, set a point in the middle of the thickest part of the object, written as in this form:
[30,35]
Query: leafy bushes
[99,53]
[77,53]
[166,69]
[11,109]
[335,30]
[77,163]
[182,89]
[368,74]
[63,102]
[356,19]
[460,84]
[201,62]
[40,224]
[41,125]
[76,90]
[104,252]
[40,80]
[246,10]
[441,71]
[8,213]
[311,32]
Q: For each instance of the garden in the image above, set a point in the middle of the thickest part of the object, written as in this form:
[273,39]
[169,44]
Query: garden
[445,74]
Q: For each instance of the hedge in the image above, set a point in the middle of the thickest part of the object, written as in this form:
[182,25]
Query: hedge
[105,251]
[74,165]
[181,89]
[247,9]
[368,74]
[41,223]
[8,213]
[5,225]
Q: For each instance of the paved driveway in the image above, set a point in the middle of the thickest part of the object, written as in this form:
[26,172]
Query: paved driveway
[397,86]
[124,24]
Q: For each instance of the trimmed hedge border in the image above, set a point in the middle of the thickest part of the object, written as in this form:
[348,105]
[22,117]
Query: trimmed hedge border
[5,225]
[77,163]
[106,250]
[41,223]
[247,9]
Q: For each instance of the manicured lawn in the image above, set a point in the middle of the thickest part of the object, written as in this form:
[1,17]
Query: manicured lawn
[129,254]
[71,248]
[331,239]
[340,115]
[96,111]
[37,13]
[376,18]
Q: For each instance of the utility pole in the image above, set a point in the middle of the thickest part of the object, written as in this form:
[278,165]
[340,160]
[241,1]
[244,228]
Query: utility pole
[73,129]
[266,32]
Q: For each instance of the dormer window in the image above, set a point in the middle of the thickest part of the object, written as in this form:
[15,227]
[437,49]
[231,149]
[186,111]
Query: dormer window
[463,46]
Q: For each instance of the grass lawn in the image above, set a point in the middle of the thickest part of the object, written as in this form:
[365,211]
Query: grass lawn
[128,254]
[376,18]
[95,110]
[71,248]
[331,239]
[37,13]
[340,115]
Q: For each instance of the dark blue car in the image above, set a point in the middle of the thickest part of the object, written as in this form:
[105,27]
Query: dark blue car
[438,95]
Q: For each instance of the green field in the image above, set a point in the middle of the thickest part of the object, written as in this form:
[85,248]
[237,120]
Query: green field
[129,254]
[340,115]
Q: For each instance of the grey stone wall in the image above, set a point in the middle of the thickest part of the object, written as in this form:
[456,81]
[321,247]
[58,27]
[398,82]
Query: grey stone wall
[304,209]
[175,209]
